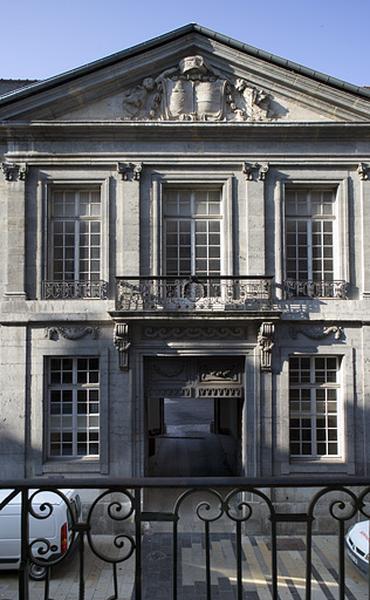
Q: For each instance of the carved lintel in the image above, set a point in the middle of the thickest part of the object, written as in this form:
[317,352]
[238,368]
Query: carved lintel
[363,171]
[14,171]
[71,332]
[130,171]
[318,333]
[255,171]
[265,341]
[122,343]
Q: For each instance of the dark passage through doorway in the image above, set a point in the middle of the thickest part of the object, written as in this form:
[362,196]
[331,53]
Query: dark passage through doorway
[195,434]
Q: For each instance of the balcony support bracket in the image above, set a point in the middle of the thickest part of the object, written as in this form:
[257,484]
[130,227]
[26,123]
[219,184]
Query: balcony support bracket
[122,342]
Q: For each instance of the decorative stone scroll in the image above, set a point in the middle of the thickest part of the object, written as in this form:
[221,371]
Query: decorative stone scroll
[130,171]
[363,171]
[318,333]
[265,341]
[255,171]
[179,333]
[122,343]
[195,91]
[14,171]
[71,333]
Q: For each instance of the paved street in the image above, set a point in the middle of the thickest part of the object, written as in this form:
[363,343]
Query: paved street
[157,555]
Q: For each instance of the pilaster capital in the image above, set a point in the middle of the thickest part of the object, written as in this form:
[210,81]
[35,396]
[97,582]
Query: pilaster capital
[363,171]
[130,171]
[14,171]
[255,171]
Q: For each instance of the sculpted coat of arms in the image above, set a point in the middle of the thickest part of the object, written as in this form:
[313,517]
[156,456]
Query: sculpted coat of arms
[193,91]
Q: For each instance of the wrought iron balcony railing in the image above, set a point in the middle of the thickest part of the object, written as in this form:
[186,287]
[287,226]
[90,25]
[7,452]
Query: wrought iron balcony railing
[215,505]
[74,290]
[223,293]
[316,289]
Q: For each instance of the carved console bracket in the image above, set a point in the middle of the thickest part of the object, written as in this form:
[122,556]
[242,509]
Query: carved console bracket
[71,333]
[14,171]
[122,343]
[318,333]
[363,171]
[255,171]
[130,171]
[265,341]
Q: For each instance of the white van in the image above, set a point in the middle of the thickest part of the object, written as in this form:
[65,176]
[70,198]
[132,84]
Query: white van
[56,528]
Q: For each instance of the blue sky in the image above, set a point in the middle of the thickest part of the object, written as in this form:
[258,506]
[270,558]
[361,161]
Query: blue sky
[41,38]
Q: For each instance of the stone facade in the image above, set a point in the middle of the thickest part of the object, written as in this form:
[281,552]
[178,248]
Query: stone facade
[194,114]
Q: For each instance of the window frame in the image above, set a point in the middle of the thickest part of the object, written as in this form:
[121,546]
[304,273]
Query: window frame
[345,463]
[74,387]
[312,386]
[193,218]
[224,182]
[335,217]
[44,218]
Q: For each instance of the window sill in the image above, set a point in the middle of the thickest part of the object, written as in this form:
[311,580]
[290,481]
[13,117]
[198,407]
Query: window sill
[79,465]
[311,466]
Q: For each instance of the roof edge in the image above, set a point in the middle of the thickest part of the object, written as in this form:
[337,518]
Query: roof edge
[172,35]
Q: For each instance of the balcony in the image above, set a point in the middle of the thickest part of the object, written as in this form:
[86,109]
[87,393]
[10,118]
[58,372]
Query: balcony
[194,294]
[209,538]
[337,289]
[74,290]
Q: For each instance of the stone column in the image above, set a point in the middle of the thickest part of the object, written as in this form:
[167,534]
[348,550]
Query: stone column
[15,176]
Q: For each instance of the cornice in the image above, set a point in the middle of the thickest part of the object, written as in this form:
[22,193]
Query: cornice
[173,131]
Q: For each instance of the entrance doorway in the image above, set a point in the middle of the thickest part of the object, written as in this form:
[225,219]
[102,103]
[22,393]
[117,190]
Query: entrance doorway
[193,417]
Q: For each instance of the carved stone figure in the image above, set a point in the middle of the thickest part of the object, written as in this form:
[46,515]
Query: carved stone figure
[194,91]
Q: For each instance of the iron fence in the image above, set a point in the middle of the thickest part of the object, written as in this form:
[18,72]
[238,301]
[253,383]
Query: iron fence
[235,500]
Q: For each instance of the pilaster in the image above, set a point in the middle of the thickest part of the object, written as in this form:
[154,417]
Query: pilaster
[255,226]
[15,177]
[364,175]
[128,219]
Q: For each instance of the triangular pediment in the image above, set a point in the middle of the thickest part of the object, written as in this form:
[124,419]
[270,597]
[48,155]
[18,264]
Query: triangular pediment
[189,75]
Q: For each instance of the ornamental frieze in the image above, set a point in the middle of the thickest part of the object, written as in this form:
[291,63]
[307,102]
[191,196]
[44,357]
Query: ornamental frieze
[208,333]
[71,333]
[194,91]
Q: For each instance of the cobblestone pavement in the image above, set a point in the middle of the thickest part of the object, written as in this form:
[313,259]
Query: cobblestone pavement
[157,555]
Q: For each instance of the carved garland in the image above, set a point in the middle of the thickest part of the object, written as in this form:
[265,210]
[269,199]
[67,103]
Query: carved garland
[71,333]
[318,333]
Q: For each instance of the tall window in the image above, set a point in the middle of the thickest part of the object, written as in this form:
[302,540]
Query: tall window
[192,220]
[75,235]
[73,406]
[310,224]
[313,406]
